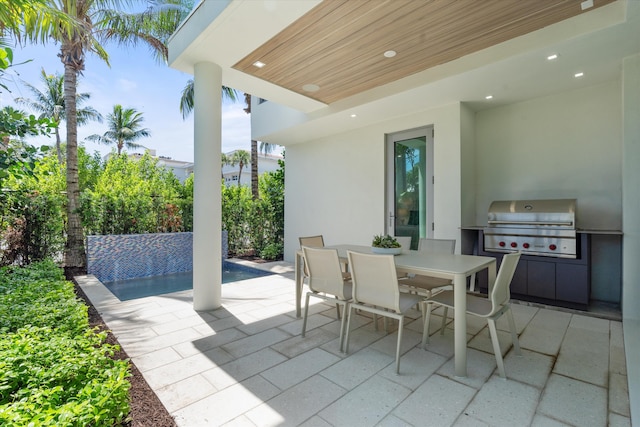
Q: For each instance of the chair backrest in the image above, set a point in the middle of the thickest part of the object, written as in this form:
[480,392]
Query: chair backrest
[500,292]
[437,245]
[312,241]
[405,242]
[325,274]
[375,280]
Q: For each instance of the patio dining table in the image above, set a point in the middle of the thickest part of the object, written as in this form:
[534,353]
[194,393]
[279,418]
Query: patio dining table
[447,266]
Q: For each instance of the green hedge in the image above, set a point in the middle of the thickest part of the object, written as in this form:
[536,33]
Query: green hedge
[54,369]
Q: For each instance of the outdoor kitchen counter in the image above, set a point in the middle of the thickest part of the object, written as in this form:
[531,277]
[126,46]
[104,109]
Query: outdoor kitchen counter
[595,274]
[606,232]
[578,230]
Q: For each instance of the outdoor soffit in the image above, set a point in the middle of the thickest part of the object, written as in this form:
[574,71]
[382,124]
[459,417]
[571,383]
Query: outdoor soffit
[337,49]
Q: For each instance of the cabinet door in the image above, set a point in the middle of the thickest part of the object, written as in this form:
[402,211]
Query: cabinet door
[519,281]
[541,279]
[572,283]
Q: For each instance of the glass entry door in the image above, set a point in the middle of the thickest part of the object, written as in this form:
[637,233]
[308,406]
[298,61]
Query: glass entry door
[410,184]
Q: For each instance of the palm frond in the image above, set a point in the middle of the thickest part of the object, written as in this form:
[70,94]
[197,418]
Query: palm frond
[186,100]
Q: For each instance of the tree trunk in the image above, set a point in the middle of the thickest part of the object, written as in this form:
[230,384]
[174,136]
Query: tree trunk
[74,256]
[58,149]
[254,169]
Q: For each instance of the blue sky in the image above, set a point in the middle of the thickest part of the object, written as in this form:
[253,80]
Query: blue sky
[134,80]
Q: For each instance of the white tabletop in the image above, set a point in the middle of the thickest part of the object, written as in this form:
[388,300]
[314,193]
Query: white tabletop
[436,263]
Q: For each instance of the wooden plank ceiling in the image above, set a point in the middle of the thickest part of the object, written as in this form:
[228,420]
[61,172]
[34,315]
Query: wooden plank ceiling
[339,45]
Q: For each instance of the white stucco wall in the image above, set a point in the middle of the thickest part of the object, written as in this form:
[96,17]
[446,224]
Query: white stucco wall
[567,145]
[335,186]
[631,214]
[468,164]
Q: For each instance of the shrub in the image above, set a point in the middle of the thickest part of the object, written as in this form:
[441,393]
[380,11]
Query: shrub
[54,369]
[256,225]
[272,251]
[36,297]
[133,196]
[236,215]
[53,379]
[35,231]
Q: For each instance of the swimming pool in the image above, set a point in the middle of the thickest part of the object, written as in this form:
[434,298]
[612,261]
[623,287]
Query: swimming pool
[141,287]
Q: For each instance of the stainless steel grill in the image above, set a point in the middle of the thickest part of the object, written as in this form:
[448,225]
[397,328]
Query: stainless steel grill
[535,227]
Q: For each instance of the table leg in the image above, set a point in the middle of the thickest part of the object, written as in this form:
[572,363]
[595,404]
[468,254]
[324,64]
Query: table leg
[460,324]
[298,270]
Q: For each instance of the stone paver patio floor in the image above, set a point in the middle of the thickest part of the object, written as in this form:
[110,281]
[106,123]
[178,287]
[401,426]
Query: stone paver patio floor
[246,364]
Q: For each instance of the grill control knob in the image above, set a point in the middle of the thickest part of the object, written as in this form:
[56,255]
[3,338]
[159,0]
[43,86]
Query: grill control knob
[514,245]
[502,244]
[553,247]
[525,245]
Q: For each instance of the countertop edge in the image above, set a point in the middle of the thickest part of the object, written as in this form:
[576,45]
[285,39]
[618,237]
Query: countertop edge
[578,230]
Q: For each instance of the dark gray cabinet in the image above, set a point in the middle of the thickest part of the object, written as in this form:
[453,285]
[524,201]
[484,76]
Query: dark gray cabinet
[547,279]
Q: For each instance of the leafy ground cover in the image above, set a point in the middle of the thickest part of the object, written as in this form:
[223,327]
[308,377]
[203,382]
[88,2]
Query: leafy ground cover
[145,409]
[56,367]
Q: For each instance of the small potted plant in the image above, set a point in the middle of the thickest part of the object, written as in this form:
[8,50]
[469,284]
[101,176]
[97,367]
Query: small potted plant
[385,245]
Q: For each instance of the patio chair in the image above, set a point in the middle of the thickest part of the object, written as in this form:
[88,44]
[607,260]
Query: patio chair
[375,290]
[437,245]
[314,242]
[311,242]
[424,285]
[327,282]
[490,308]
[405,242]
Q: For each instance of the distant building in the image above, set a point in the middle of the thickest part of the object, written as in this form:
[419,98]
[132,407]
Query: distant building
[266,163]
[180,169]
[230,174]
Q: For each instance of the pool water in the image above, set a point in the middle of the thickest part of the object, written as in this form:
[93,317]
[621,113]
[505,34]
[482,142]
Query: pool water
[141,287]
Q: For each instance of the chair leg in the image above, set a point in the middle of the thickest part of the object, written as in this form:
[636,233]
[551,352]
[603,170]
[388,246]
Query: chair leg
[400,325]
[338,310]
[472,283]
[348,316]
[342,325]
[306,312]
[444,320]
[427,319]
[514,333]
[496,347]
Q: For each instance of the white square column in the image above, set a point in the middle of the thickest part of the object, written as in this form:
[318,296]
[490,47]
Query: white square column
[207,211]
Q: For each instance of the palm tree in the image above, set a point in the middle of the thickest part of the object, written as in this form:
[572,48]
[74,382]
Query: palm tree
[125,128]
[265,148]
[224,161]
[97,21]
[186,99]
[33,17]
[240,158]
[50,104]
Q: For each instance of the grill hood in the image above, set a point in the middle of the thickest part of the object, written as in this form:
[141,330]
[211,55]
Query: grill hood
[535,227]
[533,213]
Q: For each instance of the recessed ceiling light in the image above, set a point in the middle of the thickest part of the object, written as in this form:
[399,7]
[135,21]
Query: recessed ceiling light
[390,54]
[259,64]
[311,87]
[353,116]
[488,97]
[578,75]
[552,57]
[586,4]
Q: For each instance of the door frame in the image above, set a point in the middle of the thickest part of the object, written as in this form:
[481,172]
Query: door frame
[390,140]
